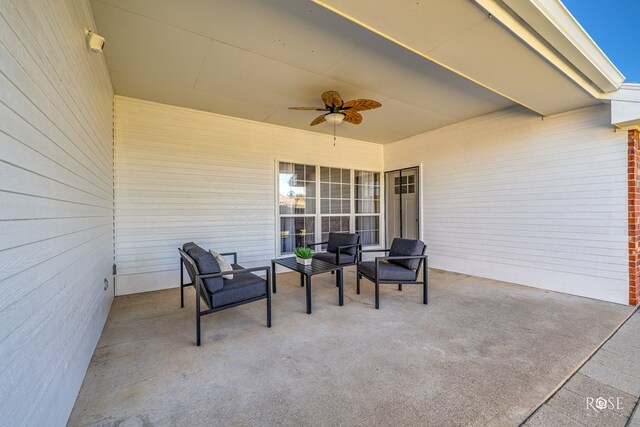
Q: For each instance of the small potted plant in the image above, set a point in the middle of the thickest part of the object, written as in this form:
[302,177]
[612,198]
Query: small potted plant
[303,255]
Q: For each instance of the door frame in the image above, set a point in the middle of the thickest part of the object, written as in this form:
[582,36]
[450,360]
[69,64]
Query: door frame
[418,167]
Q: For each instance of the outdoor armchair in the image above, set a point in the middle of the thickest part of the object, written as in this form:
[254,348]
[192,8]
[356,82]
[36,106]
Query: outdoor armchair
[217,292]
[342,249]
[401,266]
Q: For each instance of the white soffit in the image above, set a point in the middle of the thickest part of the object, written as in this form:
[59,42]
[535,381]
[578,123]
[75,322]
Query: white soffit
[551,20]
[541,59]
[254,58]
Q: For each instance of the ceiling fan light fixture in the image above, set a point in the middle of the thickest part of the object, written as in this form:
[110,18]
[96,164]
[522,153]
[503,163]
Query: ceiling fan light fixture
[334,118]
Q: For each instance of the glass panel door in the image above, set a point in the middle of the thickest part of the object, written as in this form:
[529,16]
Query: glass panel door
[402,204]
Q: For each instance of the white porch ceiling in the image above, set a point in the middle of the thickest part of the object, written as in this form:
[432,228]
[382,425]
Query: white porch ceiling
[254,58]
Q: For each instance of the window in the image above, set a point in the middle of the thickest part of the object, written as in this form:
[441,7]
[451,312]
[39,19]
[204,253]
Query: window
[335,201]
[367,202]
[296,205]
[316,200]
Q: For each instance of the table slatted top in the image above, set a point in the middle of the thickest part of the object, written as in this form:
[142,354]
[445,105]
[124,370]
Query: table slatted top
[317,266]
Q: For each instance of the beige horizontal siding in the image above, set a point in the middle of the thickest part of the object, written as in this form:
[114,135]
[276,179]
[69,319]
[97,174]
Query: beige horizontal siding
[184,175]
[56,207]
[511,196]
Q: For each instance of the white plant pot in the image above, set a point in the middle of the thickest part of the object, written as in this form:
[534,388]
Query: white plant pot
[303,261]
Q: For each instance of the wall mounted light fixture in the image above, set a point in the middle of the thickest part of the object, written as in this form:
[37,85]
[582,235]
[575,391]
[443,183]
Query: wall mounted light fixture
[94,41]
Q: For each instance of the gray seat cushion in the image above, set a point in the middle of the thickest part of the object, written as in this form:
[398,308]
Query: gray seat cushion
[406,247]
[206,264]
[387,271]
[243,286]
[342,239]
[331,258]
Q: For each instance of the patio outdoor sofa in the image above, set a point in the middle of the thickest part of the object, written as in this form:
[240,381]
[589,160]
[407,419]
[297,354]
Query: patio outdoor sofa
[239,287]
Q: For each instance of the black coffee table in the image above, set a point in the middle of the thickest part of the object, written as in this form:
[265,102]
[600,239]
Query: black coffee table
[306,271]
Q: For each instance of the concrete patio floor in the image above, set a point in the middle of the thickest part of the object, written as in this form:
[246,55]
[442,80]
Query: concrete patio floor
[481,353]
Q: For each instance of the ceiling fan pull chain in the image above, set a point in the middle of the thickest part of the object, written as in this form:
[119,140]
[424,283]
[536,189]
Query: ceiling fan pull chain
[334,134]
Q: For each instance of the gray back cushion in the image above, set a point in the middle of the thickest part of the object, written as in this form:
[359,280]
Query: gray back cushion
[342,239]
[206,264]
[406,247]
[188,246]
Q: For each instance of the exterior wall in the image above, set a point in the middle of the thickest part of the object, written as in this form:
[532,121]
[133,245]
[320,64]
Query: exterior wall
[186,175]
[56,207]
[634,215]
[512,197]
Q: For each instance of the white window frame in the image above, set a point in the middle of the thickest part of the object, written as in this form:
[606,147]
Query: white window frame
[378,214]
[318,215]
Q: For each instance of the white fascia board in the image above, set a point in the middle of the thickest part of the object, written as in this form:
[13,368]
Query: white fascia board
[576,54]
[625,105]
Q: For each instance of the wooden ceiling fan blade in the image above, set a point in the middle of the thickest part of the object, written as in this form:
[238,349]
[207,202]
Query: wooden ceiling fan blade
[318,120]
[331,98]
[361,105]
[352,117]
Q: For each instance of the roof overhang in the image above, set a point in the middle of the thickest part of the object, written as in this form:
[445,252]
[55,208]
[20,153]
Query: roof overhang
[549,28]
[431,63]
[544,26]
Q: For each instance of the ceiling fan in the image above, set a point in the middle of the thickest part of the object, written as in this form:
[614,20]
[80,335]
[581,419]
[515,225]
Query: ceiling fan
[338,110]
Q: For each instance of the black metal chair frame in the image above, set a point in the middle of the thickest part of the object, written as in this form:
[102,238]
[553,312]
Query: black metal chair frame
[339,249]
[358,247]
[201,291]
[424,263]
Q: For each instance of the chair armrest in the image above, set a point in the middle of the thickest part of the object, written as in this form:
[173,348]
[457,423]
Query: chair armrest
[386,258]
[359,252]
[235,256]
[339,249]
[374,250]
[358,247]
[381,258]
[310,245]
[224,273]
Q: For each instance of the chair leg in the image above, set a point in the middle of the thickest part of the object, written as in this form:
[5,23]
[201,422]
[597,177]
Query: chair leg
[400,287]
[268,299]
[301,280]
[358,277]
[337,285]
[198,329]
[198,312]
[425,281]
[377,295]
[181,287]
